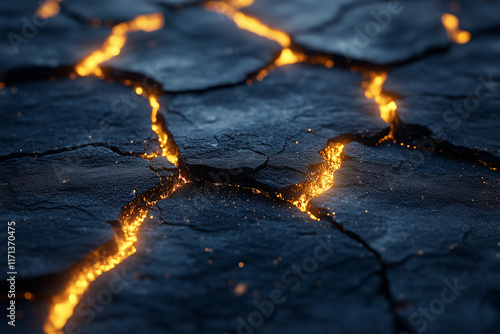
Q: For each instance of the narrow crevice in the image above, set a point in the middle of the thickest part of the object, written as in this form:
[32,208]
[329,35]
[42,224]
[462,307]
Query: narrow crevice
[385,288]
[18,155]
[451,250]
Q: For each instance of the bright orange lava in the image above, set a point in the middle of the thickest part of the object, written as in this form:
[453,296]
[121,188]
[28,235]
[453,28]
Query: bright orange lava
[167,150]
[450,22]
[373,90]
[116,40]
[288,57]
[111,48]
[48,9]
[105,257]
[322,180]
[246,22]
[231,8]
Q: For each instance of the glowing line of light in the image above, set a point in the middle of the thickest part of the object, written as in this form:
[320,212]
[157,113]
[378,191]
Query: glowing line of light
[230,8]
[322,180]
[373,90]
[102,260]
[116,40]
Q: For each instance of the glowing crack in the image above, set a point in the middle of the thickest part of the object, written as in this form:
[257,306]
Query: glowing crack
[287,56]
[116,40]
[107,256]
[321,181]
[373,91]
[133,214]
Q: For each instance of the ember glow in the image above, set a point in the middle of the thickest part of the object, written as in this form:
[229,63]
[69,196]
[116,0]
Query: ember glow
[450,22]
[105,257]
[319,181]
[246,22]
[322,180]
[116,40]
[48,9]
[111,48]
[168,150]
[373,90]
[288,57]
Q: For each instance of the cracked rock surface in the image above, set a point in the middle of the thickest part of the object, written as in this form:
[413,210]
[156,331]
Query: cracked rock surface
[457,101]
[403,228]
[51,40]
[272,130]
[63,203]
[175,58]
[433,220]
[41,116]
[215,229]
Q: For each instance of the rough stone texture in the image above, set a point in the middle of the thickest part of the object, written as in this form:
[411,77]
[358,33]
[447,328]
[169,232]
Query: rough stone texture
[444,208]
[353,30]
[28,41]
[42,116]
[455,94]
[358,35]
[379,32]
[244,126]
[295,16]
[115,10]
[195,49]
[393,202]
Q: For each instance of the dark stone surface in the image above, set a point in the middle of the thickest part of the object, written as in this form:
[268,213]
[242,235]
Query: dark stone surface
[405,222]
[114,10]
[295,16]
[455,94]
[378,32]
[244,126]
[195,49]
[352,29]
[358,35]
[42,116]
[28,41]
[444,208]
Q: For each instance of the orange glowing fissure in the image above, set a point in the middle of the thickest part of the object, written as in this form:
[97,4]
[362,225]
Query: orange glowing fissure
[116,40]
[230,8]
[105,257]
[322,180]
[112,47]
[450,22]
[373,91]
